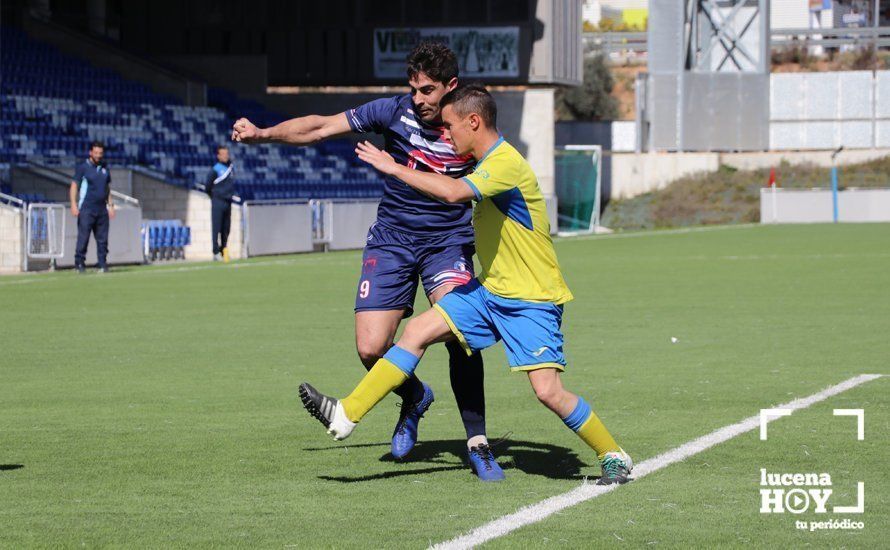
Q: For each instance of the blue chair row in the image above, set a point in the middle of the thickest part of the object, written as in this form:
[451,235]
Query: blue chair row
[165,239]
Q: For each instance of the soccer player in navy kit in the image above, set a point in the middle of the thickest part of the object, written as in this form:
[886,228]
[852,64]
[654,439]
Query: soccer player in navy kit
[220,186]
[415,237]
[90,195]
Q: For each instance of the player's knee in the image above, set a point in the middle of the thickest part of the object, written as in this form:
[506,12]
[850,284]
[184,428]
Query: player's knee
[549,394]
[414,332]
[418,335]
[369,352]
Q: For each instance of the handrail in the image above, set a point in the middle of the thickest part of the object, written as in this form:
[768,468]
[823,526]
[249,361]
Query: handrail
[835,31]
[10,198]
[160,176]
[832,36]
[62,178]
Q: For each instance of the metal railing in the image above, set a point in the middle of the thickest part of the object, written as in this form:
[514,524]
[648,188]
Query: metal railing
[62,178]
[614,42]
[623,42]
[878,37]
[9,200]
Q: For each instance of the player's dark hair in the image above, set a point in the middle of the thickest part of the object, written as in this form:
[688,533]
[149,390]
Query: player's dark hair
[472,98]
[221,147]
[434,59]
[98,144]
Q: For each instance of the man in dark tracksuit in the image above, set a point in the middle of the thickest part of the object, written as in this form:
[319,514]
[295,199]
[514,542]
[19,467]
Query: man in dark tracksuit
[90,195]
[220,186]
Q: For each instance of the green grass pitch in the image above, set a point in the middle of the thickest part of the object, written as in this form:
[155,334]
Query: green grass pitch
[157,407]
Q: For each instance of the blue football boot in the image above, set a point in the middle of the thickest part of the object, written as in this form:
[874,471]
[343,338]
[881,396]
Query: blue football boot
[483,463]
[404,437]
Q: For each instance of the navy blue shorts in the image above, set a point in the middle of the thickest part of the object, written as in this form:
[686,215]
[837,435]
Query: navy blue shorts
[394,262]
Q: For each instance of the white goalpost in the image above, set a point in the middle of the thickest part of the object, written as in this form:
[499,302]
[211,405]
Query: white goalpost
[578,179]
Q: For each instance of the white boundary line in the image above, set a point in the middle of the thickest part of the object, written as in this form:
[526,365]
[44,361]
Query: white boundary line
[155,270]
[659,232]
[45,277]
[534,513]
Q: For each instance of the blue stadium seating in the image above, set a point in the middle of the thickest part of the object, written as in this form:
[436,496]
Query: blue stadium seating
[165,239]
[52,105]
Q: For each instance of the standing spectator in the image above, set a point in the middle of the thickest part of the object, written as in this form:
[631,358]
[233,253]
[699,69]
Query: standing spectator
[220,187]
[90,195]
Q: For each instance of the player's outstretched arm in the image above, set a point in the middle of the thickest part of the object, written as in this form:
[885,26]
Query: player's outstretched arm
[444,188]
[305,130]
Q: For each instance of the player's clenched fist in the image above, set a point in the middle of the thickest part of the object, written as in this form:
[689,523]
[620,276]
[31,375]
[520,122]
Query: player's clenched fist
[244,131]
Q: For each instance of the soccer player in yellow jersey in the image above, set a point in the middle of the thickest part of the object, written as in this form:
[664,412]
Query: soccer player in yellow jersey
[517,297]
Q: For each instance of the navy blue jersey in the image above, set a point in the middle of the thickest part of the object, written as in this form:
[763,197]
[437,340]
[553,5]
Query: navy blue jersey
[421,146]
[220,183]
[93,184]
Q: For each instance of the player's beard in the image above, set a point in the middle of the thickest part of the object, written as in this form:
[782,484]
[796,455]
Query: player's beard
[430,115]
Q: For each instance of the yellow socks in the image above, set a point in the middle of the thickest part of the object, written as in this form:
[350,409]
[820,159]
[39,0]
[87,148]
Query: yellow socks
[388,373]
[590,429]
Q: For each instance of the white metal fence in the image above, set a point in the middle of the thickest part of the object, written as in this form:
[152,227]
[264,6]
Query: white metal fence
[46,231]
[829,110]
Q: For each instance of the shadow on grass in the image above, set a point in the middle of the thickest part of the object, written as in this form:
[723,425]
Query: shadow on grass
[550,461]
[7,467]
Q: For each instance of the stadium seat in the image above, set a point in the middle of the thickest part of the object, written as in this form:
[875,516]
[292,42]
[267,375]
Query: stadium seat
[53,105]
[165,239]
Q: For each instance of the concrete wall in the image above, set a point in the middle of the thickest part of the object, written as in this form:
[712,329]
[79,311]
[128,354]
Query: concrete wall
[277,228]
[162,201]
[527,121]
[11,239]
[636,174]
[243,74]
[31,181]
[350,224]
[815,206]
[26,181]
[124,240]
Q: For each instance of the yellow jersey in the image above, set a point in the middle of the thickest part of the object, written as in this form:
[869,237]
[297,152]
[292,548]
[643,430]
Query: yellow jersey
[513,243]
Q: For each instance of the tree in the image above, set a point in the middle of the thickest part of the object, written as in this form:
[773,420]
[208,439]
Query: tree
[591,100]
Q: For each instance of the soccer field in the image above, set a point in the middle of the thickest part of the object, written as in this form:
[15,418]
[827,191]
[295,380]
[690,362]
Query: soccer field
[157,406]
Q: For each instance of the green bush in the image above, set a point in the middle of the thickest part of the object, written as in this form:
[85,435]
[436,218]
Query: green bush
[591,100]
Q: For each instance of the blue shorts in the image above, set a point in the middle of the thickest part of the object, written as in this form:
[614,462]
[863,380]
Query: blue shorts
[530,330]
[394,261]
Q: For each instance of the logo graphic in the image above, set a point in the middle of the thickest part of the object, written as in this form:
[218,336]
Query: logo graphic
[369,265]
[541,350]
[797,493]
[483,174]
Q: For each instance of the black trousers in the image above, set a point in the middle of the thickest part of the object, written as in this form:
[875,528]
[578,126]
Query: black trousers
[93,220]
[221,215]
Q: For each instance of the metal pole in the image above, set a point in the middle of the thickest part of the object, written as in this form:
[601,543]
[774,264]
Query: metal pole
[834,193]
[834,182]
